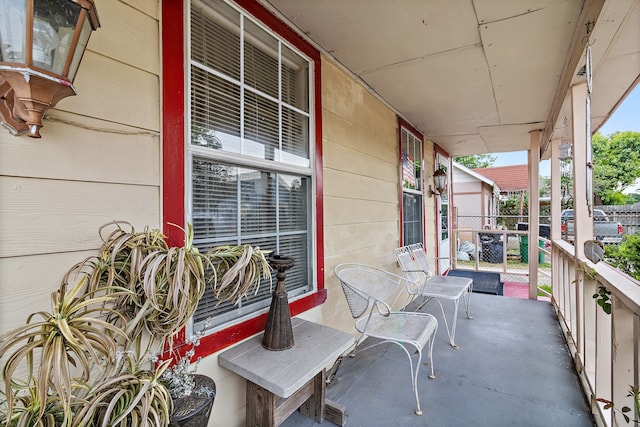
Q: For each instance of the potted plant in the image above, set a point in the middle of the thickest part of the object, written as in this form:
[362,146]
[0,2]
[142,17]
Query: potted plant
[87,361]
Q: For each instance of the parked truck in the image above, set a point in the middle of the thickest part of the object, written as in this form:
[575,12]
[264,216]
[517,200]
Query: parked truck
[603,229]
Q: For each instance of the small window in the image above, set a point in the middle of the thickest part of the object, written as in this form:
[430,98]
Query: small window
[412,196]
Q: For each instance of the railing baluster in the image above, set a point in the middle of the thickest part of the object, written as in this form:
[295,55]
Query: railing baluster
[624,361]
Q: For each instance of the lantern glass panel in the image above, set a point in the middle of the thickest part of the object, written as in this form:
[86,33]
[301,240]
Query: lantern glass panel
[54,23]
[82,44]
[440,182]
[12,30]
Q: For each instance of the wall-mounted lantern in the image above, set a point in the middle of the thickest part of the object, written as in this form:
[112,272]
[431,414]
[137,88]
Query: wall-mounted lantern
[41,45]
[439,181]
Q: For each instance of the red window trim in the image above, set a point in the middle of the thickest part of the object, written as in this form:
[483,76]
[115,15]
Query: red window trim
[405,124]
[437,150]
[173,157]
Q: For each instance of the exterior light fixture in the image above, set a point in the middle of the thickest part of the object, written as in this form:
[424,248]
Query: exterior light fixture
[439,181]
[564,152]
[41,45]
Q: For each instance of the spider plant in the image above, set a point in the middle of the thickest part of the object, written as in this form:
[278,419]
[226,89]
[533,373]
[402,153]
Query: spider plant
[133,398]
[165,283]
[59,348]
[64,367]
[240,268]
[28,411]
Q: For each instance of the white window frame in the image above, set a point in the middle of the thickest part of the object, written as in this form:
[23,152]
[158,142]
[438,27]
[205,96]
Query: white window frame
[419,191]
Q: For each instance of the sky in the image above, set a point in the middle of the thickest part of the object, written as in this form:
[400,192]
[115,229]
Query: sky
[625,118]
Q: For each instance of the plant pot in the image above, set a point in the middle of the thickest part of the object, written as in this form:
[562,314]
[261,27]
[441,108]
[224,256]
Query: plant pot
[194,410]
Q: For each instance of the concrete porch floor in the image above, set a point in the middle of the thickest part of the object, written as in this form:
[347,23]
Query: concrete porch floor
[512,369]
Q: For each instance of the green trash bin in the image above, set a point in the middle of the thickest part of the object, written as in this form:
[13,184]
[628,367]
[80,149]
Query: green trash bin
[540,254]
[524,249]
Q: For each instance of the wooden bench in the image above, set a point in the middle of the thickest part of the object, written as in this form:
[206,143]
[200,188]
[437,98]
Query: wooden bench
[279,382]
[487,282]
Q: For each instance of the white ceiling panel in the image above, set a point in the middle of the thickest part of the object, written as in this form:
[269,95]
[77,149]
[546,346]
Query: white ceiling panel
[526,62]
[415,29]
[443,94]
[499,10]
[477,75]
[508,137]
[463,145]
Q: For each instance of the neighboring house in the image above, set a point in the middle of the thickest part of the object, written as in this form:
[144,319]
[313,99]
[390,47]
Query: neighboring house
[476,198]
[512,180]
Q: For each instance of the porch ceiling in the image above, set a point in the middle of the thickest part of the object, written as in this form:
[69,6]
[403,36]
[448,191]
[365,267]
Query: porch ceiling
[476,76]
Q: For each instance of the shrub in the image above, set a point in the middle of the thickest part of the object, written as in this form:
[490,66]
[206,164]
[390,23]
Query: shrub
[626,256]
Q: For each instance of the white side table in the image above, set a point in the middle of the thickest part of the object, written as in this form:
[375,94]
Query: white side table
[279,382]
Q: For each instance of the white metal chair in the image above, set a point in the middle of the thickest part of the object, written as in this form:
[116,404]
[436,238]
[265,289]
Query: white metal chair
[413,262]
[370,294]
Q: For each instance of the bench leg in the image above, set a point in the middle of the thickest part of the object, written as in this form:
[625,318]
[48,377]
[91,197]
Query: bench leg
[264,409]
[261,406]
[314,406]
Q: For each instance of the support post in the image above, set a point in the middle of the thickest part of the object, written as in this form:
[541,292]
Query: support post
[556,210]
[534,211]
[583,223]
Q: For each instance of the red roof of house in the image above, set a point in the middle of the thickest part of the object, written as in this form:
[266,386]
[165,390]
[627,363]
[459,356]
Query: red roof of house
[508,178]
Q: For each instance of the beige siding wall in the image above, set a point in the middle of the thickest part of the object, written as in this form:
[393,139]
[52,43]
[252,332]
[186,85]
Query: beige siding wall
[468,198]
[98,160]
[360,183]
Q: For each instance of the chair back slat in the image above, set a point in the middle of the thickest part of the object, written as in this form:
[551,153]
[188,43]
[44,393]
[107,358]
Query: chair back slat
[409,265]
[420,256]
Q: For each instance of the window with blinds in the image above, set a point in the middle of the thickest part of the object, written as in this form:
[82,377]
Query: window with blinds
[250,148]
[412,197]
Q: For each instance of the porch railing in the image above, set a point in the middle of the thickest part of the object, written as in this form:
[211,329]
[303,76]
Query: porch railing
[604,346]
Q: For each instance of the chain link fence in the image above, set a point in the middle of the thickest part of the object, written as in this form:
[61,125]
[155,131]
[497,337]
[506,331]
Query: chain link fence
[500,244]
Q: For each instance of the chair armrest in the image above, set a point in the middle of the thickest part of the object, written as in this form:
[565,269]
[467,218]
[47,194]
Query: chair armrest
[413,288]
[426,273]
[414,271]
[386,309]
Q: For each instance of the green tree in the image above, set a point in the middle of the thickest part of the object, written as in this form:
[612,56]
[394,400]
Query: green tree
[616,165]
[545,186]
[633,198]
[626,256]
[566,190]
[476,161]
